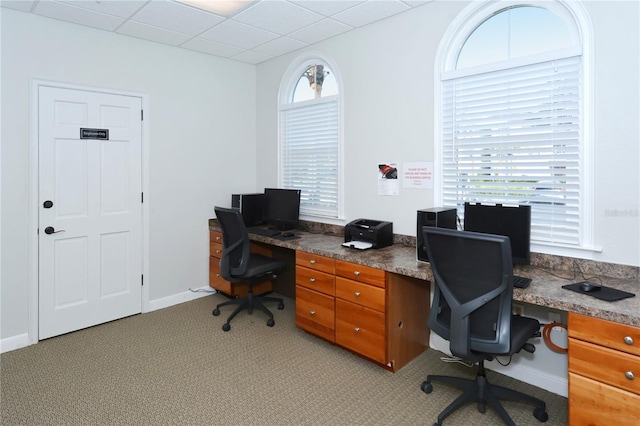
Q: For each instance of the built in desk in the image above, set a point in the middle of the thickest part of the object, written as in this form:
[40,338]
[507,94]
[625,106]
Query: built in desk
[601,333]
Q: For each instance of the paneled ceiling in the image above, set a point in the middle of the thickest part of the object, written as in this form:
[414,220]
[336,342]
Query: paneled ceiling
[258,31]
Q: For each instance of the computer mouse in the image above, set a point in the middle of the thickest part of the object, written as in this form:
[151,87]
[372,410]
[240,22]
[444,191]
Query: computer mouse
[589,287]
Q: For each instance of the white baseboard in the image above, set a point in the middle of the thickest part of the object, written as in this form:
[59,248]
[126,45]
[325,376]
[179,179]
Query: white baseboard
[22,340]
[175,299]
[14,342]
[536,377]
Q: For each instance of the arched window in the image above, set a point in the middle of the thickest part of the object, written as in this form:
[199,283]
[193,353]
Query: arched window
[310,142]
[513,108]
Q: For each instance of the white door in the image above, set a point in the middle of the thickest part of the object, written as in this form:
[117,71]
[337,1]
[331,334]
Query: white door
[90,212]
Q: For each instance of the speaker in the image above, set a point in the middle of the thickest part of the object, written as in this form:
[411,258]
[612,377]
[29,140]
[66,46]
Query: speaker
[251,206]
[439,217]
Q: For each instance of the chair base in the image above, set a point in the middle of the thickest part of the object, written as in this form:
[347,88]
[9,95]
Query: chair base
[250,302]
[481,391]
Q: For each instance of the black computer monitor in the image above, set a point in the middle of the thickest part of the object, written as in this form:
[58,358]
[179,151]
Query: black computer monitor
[511,221]
[281,208]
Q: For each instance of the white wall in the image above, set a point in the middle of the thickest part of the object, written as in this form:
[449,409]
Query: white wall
[388,71]
[201,121]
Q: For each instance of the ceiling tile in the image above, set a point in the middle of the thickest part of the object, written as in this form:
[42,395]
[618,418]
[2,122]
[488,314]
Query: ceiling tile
[211,47]
[22,5]
[279,46]
[369,12]
[66,12]
[148,32]
[327,7]
[121,8]
[251,57]
[176,17]
[277,16]
[237,34]
[320,31]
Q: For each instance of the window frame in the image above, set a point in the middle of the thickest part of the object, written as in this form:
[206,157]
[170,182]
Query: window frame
[285,101]
[453,40]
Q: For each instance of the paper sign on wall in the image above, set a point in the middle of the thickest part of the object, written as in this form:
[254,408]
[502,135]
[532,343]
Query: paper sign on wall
[418,175]
[388,179]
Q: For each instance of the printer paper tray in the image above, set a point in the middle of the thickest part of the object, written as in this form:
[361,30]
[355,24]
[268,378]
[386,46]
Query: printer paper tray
[361,245]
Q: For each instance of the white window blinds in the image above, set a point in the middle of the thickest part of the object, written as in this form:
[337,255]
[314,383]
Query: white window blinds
[512,136]
[309,154]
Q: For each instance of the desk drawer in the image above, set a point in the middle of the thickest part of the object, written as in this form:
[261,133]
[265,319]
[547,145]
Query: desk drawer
[364,274]
[361,329]
[315,280]
[215,249]
[606,333]
[315,313]
[363,294]
[215,236]
[215,280]
[313,261]
[616,368]
[596,404]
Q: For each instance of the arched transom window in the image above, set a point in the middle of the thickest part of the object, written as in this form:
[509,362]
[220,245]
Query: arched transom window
[310,136]
[512,109]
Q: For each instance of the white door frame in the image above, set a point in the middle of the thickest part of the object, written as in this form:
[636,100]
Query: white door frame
[34,192]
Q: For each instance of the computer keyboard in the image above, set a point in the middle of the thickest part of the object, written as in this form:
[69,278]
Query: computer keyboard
[260,230]
[521,282]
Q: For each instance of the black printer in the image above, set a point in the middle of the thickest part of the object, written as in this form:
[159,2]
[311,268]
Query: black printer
[377,233]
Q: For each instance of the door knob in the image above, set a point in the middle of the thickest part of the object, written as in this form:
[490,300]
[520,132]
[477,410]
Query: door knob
[47,204]
[51,230]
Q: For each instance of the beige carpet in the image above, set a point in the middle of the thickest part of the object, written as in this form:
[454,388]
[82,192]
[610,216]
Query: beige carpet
[176,366]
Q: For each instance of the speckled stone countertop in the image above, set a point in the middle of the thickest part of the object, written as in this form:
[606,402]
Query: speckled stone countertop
[545,290]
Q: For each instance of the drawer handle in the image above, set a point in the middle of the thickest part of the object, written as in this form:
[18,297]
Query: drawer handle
[312,313]
[357,294]
[218,238]
[218,251]
[629,375]
[356,273]
[218,275]
[313,280]
[312,261]
[628,340]
[356,330]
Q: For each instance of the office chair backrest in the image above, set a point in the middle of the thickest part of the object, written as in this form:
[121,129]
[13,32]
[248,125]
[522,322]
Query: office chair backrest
[474,285]
[236,246]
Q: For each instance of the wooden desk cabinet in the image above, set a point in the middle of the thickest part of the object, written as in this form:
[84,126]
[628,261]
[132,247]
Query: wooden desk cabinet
[378,315]
[215,279]
[604,370]
[315,295]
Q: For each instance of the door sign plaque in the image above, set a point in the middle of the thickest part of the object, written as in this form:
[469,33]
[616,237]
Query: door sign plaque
[100,134]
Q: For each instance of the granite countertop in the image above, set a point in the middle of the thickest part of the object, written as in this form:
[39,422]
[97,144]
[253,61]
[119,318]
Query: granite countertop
[545,290]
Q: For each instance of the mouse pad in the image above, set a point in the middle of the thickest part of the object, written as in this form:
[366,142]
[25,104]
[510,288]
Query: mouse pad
[605,293]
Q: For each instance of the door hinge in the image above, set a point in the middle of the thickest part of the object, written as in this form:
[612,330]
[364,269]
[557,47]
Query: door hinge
[142,197]
[142,280]
[141,115]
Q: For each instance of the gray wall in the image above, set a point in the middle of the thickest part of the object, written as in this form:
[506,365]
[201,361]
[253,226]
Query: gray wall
[201,142]
[388,74]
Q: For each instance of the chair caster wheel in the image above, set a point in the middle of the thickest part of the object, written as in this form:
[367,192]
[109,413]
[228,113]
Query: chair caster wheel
[226,327]
[271,322]
[216,312]
[426,387]
[540,414]
[281,306]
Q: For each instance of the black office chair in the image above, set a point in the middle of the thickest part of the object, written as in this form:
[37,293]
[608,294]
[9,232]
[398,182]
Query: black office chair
[238,264]
[472,309]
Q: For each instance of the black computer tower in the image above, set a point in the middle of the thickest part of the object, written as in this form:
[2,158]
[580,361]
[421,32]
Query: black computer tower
[251,206]
[440,217]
